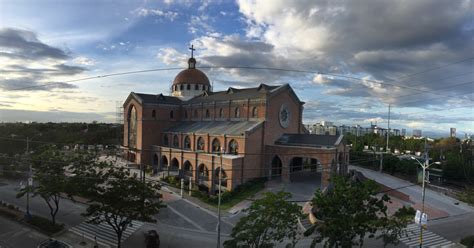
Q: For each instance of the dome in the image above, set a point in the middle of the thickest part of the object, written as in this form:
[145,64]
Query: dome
[191,76]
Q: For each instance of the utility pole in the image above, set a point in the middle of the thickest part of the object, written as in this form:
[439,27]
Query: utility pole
[388,128]
[219,203]
[424,166]
[30,180]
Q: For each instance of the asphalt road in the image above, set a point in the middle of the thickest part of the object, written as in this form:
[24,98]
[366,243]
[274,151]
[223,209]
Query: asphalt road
[181,222]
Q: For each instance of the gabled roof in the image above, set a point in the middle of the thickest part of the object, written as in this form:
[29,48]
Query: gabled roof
[236,94]
[215,127]
[154,99]
[314,140]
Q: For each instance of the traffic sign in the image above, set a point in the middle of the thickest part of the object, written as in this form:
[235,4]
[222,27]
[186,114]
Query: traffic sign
[30,181]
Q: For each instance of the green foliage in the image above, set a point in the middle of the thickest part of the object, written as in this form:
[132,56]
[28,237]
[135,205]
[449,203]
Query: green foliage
[468,241]
[50,180]
[61,133]
[467,196]
[230,198]
[45,225]
[117,198]
[268,222]
[351,211]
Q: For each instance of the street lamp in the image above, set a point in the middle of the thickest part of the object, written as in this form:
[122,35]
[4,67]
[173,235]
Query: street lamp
[30,174]
[424,166]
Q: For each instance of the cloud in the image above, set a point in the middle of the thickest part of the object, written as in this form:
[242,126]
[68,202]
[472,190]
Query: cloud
[27,63]
[81,60]
[24,44]
[144,12]
[344,37]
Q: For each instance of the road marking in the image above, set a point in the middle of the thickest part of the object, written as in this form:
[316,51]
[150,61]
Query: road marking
[105,233]
[185,218]
[430,239]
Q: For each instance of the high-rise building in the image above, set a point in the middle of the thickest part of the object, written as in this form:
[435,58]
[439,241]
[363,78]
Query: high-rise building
[417,133]
[452,132]
[404,132]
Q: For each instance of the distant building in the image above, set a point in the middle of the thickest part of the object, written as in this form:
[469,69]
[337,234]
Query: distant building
[452,132]
[404,132]
[417,133]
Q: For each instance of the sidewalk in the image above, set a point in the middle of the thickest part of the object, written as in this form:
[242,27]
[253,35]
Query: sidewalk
[435,202]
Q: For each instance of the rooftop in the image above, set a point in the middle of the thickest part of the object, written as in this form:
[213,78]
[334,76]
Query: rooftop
[314,140]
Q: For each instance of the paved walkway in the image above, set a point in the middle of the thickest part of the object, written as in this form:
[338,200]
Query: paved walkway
[433,199]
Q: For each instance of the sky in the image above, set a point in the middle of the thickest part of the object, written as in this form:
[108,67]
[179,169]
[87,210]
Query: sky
[357,57]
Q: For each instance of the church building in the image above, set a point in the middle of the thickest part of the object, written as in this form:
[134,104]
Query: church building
[250,132]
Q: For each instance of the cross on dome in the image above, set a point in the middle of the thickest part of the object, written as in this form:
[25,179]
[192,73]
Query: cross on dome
[192,50]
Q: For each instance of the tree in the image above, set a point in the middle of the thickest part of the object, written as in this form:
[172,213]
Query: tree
[350,211]
[117,198]
[268,221]
[50,180]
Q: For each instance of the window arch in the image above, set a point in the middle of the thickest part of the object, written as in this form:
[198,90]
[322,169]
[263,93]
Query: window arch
[166,140]
[195,115]
[233,147]
[185,114]
[223,176]
[203,172]
[171,114]
[200,144]
[221,113]
[188,86]
[216,145]
[175,141]
[181,87]
[196,86]
[132,127]
[153,113]
[188,169]
[187,143]
[237,112]
[208,115]
[255,112]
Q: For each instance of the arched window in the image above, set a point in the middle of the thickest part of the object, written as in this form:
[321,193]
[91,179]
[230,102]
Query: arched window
[132,127]
[153,114]
[188,169]
[221,113]
[175,141]
[188,86]
[175,87]
[185,114]
[237,112]
[200,144]
[166,141]
[195,113]
[204,87]
[196,86]
[216,145]
[233,147]
[187,143]
[207,113]
[181,87]
[223,177]
[203,172]
[171,114]
[255,112]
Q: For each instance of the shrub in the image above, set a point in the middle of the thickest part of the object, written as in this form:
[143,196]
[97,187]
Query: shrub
[468,241]
[45,224]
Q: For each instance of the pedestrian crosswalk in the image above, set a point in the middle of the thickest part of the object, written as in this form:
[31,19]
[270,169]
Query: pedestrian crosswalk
[104,233]
[429,239]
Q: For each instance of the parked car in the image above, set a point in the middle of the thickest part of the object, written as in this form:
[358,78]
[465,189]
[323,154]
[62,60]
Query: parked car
[152,239]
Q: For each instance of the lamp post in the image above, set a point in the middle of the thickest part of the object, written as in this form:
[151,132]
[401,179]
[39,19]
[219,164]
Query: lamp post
[219,203]
[424,166]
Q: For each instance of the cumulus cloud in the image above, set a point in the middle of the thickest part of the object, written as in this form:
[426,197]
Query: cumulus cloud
[28,63]
[344,37]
